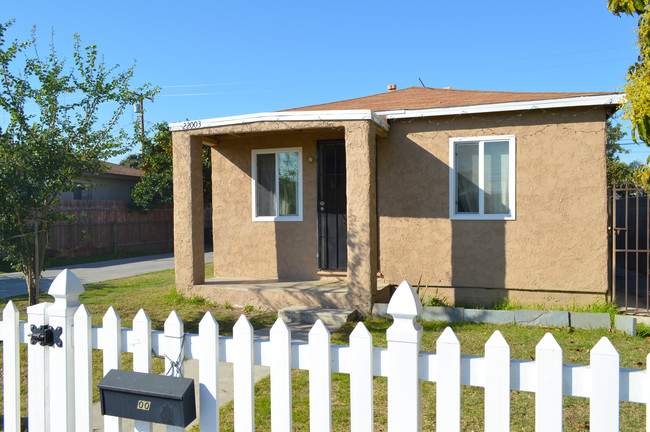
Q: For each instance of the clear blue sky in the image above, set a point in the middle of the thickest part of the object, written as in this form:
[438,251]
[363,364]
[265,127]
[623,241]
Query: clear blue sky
[220,58]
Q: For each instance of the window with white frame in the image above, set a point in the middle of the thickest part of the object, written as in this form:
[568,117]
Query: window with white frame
[277,184]
[482,178]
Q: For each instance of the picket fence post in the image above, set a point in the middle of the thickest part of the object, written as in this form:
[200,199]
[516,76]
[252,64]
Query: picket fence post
[65,289]
[404,340]
[11,367]
[38,365]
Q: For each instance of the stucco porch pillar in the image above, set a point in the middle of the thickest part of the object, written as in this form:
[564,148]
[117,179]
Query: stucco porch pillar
[360,149]
[188,211]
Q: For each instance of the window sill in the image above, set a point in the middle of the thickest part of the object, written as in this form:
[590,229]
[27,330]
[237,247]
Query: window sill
[483,217]
[278,219]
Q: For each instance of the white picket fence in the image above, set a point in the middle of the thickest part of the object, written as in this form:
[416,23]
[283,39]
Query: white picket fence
[60,378]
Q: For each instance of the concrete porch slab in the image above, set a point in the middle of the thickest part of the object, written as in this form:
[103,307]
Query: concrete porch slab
[274,294]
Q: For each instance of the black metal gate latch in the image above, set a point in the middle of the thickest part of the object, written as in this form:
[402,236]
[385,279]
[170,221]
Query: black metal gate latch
[46,335]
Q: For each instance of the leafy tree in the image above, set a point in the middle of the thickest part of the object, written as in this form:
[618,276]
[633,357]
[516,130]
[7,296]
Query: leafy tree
[637,88]
[131,161]
[156,187]
[54,135]
[618,172]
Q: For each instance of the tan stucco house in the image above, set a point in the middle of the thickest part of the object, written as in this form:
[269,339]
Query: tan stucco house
[481,195]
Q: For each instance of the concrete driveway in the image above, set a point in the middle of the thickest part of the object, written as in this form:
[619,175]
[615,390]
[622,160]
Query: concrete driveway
[13,284]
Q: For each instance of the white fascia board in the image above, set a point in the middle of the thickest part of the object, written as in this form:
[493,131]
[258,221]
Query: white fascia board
[609,99]
[332,115]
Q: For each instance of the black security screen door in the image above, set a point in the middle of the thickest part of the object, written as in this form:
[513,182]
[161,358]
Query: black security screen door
[332,206]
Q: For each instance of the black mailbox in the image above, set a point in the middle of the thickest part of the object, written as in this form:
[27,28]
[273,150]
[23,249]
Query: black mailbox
[148,397]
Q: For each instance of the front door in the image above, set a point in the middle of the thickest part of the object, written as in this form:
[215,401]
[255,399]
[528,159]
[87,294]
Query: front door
[332,206]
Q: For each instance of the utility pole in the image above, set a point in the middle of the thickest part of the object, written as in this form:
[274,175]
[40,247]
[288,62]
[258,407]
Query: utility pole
[138,107]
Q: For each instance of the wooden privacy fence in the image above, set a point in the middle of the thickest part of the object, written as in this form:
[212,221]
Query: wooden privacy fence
[81,239]
[60,378]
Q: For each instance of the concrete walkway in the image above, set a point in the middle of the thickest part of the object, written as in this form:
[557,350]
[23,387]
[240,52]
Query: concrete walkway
[13,284]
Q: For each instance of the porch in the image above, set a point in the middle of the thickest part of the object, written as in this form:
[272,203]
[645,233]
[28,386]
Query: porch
[275,294]
[276,247]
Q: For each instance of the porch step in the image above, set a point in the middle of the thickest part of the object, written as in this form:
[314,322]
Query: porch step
[309,315]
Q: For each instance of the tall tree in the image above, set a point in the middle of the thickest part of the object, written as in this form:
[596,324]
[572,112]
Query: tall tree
[637,87]
[54,135]
[156,187]
[131,161]
[618,172]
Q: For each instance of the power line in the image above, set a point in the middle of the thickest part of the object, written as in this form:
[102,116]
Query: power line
[498,61]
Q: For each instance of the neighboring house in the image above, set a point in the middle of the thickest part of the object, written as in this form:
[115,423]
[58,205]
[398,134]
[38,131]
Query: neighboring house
[483,195]
[101,219]
[115,184]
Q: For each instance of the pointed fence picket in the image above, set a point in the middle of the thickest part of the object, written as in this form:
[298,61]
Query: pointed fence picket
[141,347]
[11,367]
[548,396]
[243,375]
[497,384]
[402,362]
[448,383]
[361,385]
[320,382]
[209,373]
[281,398]
[83,370]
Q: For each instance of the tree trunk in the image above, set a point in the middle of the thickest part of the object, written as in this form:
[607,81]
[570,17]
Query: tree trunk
[33,293]
[34,266]
[30,280]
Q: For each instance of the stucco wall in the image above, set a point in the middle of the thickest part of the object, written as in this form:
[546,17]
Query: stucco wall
[242,247]
[558,241]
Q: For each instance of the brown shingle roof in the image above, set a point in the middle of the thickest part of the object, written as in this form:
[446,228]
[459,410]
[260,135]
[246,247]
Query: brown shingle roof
[120,170]
[426,97]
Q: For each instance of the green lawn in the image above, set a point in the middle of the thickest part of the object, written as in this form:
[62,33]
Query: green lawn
[155,293]
[576,345]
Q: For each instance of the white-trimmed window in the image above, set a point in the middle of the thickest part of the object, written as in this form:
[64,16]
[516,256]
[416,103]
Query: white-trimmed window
[482,178]
[277,184]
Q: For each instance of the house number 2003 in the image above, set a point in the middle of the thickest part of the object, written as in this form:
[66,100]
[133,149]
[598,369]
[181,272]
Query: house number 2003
[144,405]
[192,125]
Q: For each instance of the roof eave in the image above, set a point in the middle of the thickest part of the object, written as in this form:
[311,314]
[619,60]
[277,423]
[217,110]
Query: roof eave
[608,99]
[366,114]
[327,115]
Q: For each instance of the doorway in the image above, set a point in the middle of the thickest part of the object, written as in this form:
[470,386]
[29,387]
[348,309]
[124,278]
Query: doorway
[332,206]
